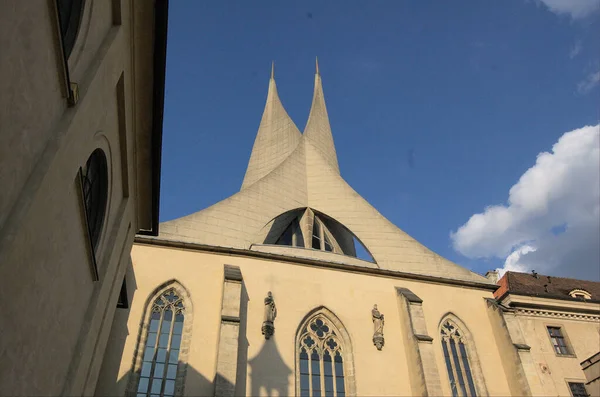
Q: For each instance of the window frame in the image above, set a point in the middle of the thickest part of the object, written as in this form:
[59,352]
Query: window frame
[473,361]
[73,25]
[70,89]
[93,246]
[342,338]
[570,351]
[569,381]
[143,333]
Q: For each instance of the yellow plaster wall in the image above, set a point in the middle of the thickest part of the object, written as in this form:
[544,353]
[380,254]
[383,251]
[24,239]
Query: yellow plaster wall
[297,290]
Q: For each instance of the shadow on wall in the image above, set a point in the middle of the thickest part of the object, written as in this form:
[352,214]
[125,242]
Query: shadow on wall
[196,384]
[242,369]
[269,375]
[116,341]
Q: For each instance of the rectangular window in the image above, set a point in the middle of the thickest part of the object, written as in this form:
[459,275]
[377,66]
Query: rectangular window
[123,302]
[577,389]
[558,341]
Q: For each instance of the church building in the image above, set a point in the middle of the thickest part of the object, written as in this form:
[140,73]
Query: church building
[296,285]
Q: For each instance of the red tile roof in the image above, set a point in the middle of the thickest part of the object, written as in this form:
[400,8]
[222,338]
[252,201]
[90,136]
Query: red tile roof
[544,286]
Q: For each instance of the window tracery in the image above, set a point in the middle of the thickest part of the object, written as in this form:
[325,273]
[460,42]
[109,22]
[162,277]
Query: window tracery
[457,360]
[160,361]
[320,360]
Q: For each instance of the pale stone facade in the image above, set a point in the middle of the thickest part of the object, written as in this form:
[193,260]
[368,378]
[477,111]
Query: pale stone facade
[76,78]
[291,231]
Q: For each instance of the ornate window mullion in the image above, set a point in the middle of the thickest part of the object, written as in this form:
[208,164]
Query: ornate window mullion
[322,367]
[161,311]
[458,348]
[168,353]
[310,374]
[333,373]
[326,376]
[461,367]
[453,366]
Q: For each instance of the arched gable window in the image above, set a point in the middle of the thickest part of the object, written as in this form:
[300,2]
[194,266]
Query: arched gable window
[160,362]
[324,364]
[462,364]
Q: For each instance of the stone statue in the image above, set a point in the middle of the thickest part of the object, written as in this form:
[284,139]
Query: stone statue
[378,322]
[268,328]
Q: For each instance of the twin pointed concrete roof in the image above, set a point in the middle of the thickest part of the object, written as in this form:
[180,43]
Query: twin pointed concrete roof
[289,170]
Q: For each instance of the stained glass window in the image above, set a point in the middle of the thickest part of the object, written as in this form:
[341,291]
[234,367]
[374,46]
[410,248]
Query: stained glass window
[163,342]
[320,360]
[457,361]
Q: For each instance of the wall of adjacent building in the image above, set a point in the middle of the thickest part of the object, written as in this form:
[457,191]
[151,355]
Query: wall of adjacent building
[553,371]
[267,366]
[55,318]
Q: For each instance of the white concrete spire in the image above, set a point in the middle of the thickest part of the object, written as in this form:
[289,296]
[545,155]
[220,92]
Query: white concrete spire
[289,171]
[318,130]
[277,137]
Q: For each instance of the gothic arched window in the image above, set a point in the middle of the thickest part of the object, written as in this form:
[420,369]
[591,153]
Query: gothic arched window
[461,369]
[95,193]
[160,365]
[323,363]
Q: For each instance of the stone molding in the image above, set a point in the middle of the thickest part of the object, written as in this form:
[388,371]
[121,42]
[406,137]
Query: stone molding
[136,366]
[233,273]
[554,314]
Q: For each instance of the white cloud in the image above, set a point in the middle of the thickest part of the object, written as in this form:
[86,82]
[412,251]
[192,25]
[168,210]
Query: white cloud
[576,8]
[551,222]
[513,263]
[576,49]
[589,83]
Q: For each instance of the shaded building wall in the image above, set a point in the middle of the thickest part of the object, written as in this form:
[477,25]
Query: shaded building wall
[268,366]
[591,369]
[56,317]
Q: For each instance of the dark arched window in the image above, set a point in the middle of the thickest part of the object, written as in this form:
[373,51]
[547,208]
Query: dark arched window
[95,194]
[69,16]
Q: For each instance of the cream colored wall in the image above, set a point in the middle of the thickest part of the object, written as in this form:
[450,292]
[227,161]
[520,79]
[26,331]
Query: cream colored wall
[584,337]
[297,290]
[55,318]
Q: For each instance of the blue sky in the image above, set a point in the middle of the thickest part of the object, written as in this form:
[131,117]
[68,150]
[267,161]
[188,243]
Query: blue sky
[437,108]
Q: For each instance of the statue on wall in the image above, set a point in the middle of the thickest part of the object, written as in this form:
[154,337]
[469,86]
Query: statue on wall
[378,322]
[268,328]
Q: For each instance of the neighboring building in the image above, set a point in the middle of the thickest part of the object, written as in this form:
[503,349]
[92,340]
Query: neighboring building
[272,291]
[555,323]
[591,369]
[81,85]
